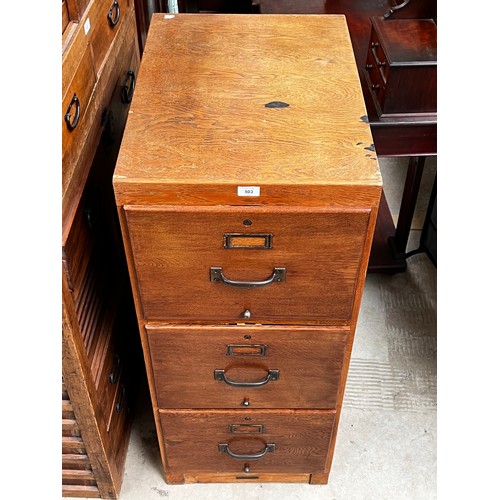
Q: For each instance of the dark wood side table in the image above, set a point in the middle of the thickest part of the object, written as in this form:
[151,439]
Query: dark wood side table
[399,81]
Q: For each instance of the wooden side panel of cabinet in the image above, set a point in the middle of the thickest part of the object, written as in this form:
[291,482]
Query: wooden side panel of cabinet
[77,475]
[84,400]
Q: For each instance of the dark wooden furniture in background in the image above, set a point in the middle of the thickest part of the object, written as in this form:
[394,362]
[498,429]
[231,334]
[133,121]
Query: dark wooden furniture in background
[428,238]
[247,239]
[401,67]
[219,6]
[400,86]
[100,61]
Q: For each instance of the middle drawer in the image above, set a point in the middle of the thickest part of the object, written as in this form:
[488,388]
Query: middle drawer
[242,366]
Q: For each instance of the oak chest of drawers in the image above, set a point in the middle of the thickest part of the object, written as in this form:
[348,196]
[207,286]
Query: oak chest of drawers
[247,190]
[100,59]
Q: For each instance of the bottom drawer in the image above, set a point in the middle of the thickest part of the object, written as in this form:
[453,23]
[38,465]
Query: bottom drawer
[247,442]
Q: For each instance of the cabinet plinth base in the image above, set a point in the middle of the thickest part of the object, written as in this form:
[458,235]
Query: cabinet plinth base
[319,478]
[173,478]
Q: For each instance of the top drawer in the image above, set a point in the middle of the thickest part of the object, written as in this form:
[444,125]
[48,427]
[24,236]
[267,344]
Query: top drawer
[109,18]
[75,102]
[247,264]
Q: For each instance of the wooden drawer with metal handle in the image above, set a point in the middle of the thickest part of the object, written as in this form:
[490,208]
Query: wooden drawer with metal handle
[375,80]
[109,20]
[76,100]
[247,443]
[258,264]
[258,367]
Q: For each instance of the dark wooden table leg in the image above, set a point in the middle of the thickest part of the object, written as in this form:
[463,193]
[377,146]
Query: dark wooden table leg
[399,241]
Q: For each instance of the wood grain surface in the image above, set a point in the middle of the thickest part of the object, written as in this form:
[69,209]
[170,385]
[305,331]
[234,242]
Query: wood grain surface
[199,114]
[174,248]
[309,360]
[301,439]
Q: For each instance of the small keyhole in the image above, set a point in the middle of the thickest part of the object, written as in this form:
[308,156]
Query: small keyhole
[247,337]
[247,222]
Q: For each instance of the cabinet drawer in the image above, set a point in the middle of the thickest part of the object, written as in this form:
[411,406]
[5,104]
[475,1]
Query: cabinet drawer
[263,442]
[377,50]
[117,365]
[288,367]
[116,111]
[375,80]
[76,100]
[111,16]
[80,236]
[109,377]
[252,264]
[118,424]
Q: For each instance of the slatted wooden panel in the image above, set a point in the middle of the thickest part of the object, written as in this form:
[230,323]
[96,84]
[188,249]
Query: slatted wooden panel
[77,475]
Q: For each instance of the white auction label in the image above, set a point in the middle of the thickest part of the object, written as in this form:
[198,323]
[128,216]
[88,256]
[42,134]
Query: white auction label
[248,190]
[86,26]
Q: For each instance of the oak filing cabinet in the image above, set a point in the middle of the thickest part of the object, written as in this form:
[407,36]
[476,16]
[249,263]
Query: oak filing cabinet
[247,190]
[100,60]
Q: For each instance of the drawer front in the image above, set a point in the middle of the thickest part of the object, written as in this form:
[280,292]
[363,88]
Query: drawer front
[119,354]
[118,424]
[378,54]
[79,244]
[109,377]
[111,16]
[252,264]
[258,367]
[116,111]
[76,100]
[258,442]
[375,81]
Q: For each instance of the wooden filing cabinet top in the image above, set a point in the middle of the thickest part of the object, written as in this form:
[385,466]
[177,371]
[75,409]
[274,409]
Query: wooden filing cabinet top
[228,102]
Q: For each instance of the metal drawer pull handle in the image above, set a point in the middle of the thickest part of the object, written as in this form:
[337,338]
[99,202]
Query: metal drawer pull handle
[270,448]
[115,369]
[67,117]
[127,92]
[113,21]
[271,375]
[119,404]
[278,276]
